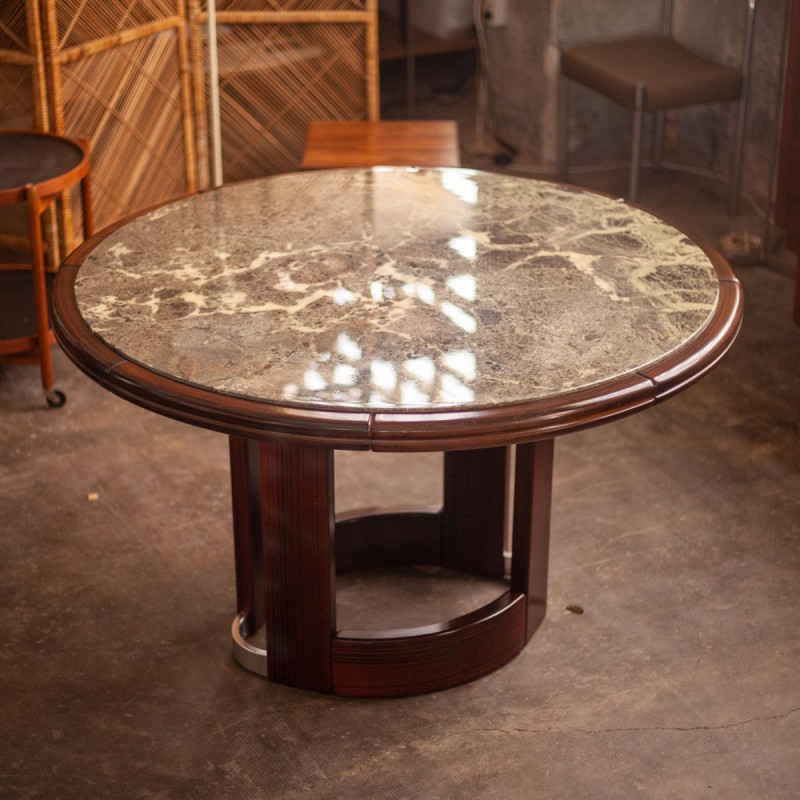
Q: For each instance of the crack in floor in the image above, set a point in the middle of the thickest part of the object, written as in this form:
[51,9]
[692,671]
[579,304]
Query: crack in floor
[736,724]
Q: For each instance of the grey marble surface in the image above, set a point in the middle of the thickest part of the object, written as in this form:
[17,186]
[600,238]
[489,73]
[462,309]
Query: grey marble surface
[396,289]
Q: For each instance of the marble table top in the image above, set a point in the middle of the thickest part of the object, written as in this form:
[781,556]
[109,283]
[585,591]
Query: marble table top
[396,289]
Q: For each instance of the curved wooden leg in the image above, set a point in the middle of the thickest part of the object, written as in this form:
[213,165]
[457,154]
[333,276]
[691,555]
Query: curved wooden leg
[34,210]
[297,544]
[426,659]
[531,533]
[88,210]
[283,546]
[245,490]
[474,512]
[402,662]
[286,563]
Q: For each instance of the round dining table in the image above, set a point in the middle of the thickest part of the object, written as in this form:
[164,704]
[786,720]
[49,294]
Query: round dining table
[393,309]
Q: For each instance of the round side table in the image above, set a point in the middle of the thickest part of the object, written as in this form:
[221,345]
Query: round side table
[35,168]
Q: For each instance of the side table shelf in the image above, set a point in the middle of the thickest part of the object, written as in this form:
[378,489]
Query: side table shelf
[35,168]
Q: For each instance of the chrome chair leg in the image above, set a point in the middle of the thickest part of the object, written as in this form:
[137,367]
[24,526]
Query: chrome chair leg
[636,150]
[658,144]
[736,165]
[562,156]
[666,18]
[741,114]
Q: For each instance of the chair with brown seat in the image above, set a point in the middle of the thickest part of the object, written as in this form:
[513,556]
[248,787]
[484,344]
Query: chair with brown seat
[396,143]
[654,73]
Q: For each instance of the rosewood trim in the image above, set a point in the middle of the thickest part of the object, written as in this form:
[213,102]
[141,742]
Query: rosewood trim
[531,529]
[681,369]
[298,570]
[371,538]
[474,511]
[510,424]
[245,493]
[400,662]
[400,431]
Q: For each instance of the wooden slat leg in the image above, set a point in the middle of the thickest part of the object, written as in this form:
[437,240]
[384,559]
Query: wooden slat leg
[88,209]
[531,534]
[474,512]
[246,495]
[34,210]
[297,542]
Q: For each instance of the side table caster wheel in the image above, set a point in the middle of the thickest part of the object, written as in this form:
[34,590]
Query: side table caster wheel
[55,398]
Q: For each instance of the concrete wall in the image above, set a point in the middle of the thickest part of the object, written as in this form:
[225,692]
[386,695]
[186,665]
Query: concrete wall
[600,130]
[521,76]
[704,136]
[524,71]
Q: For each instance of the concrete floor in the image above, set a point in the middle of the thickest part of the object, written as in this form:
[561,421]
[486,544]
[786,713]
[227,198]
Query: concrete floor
[676,530]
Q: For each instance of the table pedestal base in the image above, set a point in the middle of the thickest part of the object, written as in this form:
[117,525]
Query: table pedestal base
[289,550]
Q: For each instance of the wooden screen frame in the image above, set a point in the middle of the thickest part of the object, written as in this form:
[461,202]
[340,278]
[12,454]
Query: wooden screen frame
[56,56]
[197,18]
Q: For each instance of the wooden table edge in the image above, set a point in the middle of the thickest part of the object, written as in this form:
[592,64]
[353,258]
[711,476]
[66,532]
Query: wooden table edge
[396,431]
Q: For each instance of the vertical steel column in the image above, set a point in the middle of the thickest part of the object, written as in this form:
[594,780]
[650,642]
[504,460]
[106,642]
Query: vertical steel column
[636,150]
[562,153]
[741,115]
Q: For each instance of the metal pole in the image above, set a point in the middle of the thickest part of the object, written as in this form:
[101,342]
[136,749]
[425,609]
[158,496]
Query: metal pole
[636,150]
[411,61]
[658,145]
[666,19]
[562,145]
[741,120]
[213,77]
[775,165]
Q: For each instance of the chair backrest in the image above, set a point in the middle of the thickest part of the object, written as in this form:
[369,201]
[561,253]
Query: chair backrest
[666,29]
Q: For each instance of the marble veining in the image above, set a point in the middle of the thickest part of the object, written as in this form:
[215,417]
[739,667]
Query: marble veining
[396,288]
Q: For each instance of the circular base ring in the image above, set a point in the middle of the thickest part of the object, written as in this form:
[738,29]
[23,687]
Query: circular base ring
[252,658]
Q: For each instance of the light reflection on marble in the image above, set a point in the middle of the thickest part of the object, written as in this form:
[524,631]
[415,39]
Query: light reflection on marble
[396,289]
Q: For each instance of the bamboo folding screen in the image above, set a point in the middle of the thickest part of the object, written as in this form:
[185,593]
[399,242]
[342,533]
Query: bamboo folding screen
[283,63]
[129,76]
[23,97]
[118,74]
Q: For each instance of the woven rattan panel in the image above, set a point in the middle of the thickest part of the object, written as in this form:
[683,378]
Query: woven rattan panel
[79,21]
[291,5]
[22,99]
[283,63]
[16,111]
[119,77]
[13,26]
[23,103]
[274,79]
[119,70]
[128,99]
[16,97]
